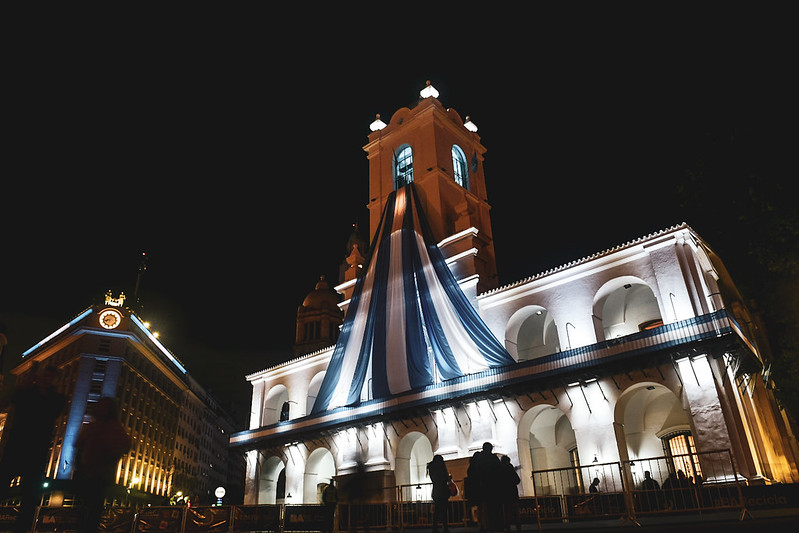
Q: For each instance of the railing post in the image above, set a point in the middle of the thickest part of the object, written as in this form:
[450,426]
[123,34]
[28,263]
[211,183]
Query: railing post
[627,487]
[741,500]
[465,508]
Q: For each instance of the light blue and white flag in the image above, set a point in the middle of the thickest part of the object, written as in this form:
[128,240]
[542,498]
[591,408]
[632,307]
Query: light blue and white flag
[409,324]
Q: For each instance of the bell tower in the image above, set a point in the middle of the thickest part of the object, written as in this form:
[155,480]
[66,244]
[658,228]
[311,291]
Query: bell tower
[434,148]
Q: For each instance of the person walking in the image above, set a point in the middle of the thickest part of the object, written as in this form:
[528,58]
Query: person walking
[510,496]
[439,476]
[33,409]
[100,445]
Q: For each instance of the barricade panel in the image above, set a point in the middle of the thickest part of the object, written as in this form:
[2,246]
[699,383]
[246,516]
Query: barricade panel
[161,519]
[692,482]
[262,517]
[310,517]
[57,519]
[351,517]
[208,518]
[117,519]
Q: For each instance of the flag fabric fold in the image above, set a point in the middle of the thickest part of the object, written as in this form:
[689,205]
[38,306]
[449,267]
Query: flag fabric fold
[409,324]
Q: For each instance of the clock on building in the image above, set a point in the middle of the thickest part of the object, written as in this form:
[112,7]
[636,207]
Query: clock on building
[110,318]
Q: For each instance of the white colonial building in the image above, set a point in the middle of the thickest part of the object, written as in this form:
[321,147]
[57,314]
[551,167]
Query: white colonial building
[645,350]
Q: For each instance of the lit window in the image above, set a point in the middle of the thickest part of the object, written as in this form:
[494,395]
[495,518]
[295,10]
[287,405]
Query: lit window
[682,451]
[403,167]
[459,168]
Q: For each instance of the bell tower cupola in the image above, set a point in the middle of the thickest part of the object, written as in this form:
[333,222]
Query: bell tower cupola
[441,154]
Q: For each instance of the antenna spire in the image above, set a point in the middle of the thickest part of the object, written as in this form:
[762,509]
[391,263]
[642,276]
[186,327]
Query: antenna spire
[142,270]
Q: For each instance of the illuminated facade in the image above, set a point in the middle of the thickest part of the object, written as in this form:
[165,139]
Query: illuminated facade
[635,352]
[179,433]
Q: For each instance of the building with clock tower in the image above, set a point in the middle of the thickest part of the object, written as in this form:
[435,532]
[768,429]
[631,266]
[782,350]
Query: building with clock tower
[640,357]
[179,431]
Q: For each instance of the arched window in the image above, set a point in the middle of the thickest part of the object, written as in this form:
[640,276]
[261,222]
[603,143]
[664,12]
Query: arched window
[403,167]
[679,446]
[459,168]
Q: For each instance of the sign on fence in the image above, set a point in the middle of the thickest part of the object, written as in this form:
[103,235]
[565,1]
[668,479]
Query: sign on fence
[304,518]
[548,506]
[206,518]
[117,519]
[57,519]
[256,517]
[161,519]
[764,497]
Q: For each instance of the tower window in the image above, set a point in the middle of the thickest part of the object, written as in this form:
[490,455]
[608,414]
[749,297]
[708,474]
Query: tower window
[459,168]
[403,167]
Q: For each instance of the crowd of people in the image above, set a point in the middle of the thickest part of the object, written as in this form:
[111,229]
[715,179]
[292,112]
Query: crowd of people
[678,492]
[491,487]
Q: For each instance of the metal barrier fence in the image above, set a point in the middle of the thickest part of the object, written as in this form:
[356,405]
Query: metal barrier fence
[694,482]
[625,490]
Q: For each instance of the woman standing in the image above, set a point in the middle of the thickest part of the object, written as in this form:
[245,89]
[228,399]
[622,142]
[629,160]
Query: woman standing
[439,476]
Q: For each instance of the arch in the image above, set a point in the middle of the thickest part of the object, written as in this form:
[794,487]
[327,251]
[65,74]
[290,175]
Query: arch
[623,306]
[403,166]
[319,470]
[313,390]
[531,333]
[648,412]
[546,441]
[273,405]
[270,489]
[414,451]
[460,169]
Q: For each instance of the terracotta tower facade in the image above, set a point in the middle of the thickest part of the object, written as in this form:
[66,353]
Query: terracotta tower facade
[441,153]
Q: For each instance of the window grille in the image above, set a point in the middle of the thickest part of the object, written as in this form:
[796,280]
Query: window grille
[459,168]
[403,167]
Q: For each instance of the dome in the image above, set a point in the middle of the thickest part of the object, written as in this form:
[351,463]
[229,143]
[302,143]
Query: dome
[322,297]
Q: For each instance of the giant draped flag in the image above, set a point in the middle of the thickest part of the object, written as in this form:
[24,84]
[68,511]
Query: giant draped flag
[409,324]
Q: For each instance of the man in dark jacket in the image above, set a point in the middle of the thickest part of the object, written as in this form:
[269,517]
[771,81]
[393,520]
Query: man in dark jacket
[489,476]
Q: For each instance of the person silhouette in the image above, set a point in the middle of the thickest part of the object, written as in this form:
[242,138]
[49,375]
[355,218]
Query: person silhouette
[510,495]
[33,408]
[100,445]
[651,488]
[439,476]
[489,474]
[330,500]
[472,489]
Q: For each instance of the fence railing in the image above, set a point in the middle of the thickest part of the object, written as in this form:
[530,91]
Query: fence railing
[624,489]
[694,482]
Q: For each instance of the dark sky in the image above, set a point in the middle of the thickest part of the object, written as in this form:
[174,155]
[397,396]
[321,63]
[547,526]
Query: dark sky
[233,158]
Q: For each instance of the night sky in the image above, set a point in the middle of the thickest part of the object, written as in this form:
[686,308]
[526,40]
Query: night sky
[235,162]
